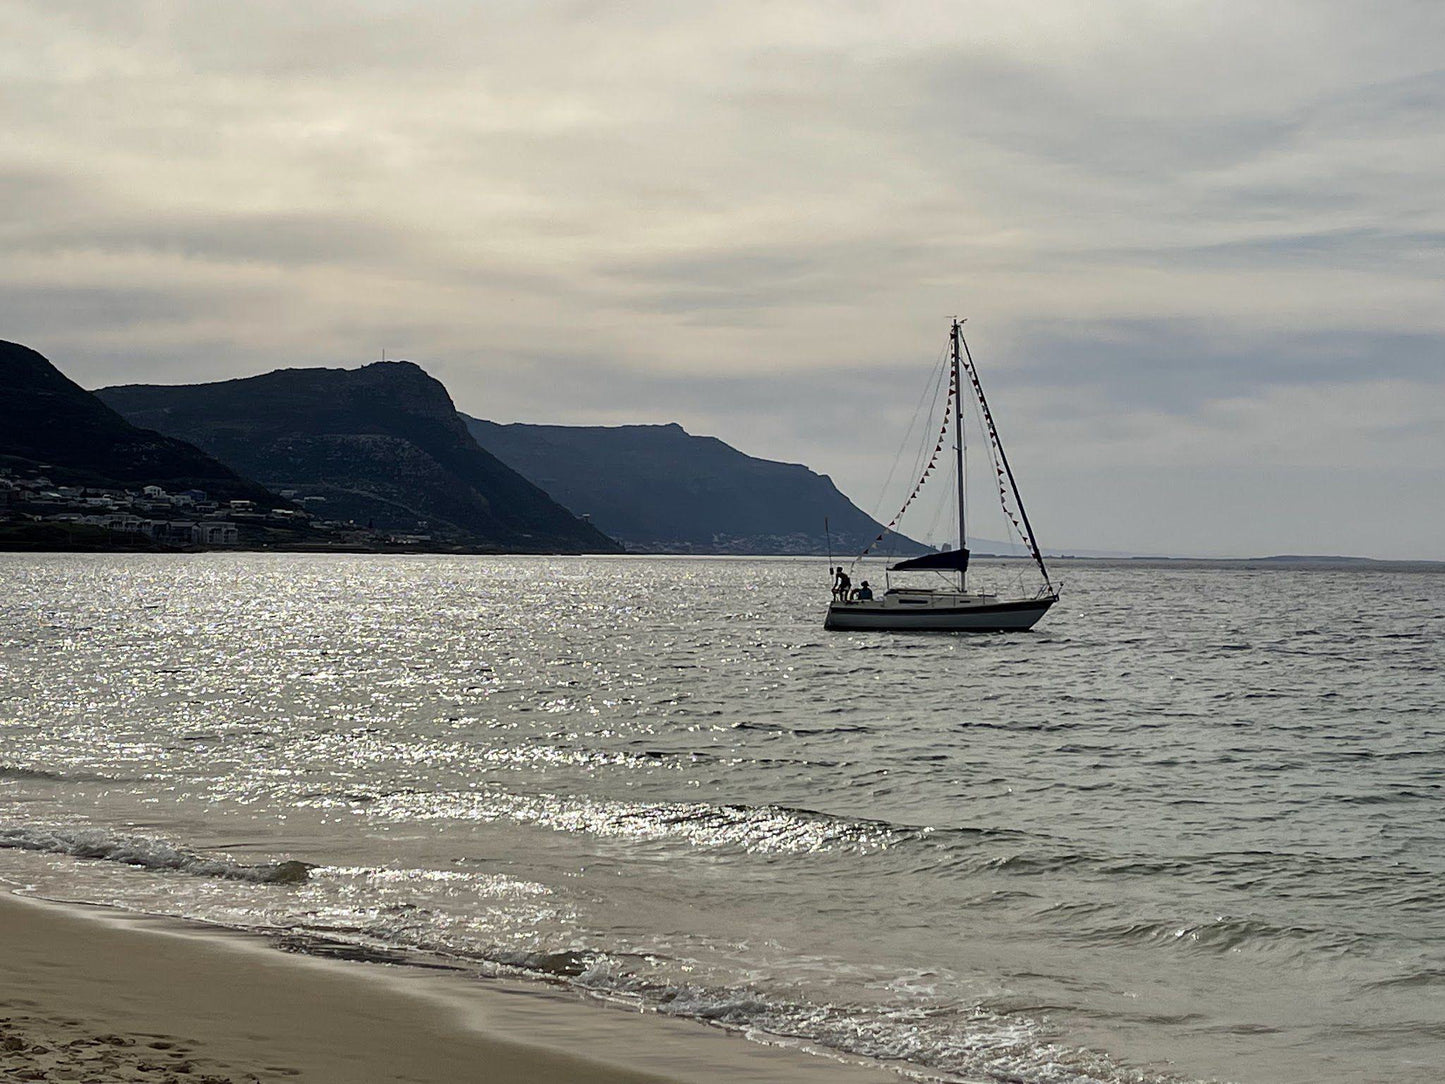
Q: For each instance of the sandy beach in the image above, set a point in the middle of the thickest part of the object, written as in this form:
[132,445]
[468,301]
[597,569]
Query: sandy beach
[93,995]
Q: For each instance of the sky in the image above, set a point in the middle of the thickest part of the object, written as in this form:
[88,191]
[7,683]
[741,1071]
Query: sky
[1200,246]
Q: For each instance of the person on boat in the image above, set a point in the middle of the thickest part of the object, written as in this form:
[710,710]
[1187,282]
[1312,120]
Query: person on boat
[864,593]
[844,585]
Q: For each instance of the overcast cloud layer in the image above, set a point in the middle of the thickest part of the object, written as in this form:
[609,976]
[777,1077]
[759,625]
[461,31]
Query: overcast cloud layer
[1200,245]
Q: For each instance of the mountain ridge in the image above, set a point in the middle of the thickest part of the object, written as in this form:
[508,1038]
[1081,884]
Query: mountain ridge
[660,489]
[380,444]
[49,421]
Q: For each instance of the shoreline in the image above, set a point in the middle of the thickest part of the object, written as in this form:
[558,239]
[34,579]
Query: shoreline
[101,995]
[1281,563]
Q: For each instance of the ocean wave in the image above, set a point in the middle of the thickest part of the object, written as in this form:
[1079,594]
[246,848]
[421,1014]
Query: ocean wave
[1218,935]
[757,829]
[934,1042]
[1425,977]
[46,775]
[767,829]
[940,1042]
[14,771]
[147,852]
[943,1042]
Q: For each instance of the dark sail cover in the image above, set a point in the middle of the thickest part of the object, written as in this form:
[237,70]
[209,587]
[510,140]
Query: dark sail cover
[947,561]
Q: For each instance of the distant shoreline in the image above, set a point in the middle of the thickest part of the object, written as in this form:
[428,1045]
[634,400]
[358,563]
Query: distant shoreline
[1281,562]
[1262,563]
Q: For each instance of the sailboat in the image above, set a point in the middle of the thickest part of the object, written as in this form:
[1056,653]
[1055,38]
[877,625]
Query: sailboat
[952,608]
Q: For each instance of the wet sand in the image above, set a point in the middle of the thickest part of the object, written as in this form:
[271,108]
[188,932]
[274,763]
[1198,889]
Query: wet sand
[93,995]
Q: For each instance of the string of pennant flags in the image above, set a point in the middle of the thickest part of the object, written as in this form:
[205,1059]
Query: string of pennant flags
[951,403]
[998,470]
[948,407]
[1003,499]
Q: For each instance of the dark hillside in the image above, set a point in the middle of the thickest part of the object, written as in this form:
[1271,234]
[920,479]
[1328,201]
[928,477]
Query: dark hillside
[657,488]
[382,444]
[50,422]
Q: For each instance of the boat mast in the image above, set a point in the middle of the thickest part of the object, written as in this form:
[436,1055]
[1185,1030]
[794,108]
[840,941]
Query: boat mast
[957,337]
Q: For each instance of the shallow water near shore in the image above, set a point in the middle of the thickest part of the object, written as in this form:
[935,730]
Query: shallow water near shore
[1189,828]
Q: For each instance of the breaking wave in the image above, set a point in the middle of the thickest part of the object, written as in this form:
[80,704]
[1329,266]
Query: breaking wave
[756,829]
[953,1043]
[147,852]
[42,775]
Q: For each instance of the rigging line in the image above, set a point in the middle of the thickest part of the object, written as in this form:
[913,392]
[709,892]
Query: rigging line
[940,371]
[935,382]
[929,386]
[938,510]
[961,494]
[949,404]
[1025,529]
[938,386]
[929,396]
[1009,514]
[1011,523]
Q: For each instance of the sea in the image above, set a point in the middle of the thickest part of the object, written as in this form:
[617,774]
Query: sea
[1190,828]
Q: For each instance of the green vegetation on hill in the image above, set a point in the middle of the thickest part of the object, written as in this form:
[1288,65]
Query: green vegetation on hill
[380,445]
[659,489]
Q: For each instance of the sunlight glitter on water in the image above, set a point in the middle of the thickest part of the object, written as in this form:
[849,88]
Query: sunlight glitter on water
[1188,828]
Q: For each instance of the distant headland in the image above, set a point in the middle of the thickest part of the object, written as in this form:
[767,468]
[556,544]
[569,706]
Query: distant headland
[377,459]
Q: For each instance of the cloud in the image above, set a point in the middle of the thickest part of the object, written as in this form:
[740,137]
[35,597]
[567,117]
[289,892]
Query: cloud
[1176,229]
[1181,365]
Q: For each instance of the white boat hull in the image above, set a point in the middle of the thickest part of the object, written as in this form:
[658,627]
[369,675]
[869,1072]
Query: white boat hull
[938,612]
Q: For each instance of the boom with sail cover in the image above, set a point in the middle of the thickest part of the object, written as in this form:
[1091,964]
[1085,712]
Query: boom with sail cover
[947,561]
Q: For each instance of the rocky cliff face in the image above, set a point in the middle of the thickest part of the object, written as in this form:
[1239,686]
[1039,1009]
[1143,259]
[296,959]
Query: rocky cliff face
[47,420]
[381,445]
[659,489]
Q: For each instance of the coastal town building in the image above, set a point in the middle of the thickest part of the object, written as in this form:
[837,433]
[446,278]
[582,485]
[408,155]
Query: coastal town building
[151,517]
[215,533]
